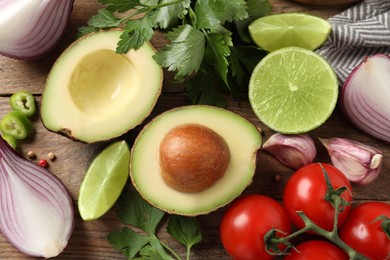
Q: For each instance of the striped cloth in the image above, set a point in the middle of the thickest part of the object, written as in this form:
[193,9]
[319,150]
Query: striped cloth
[360,31]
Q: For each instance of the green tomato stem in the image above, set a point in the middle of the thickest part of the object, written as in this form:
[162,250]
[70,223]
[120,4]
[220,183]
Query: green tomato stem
[330,235]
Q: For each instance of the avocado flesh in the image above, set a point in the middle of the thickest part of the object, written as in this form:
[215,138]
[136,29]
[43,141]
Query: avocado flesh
[242,138]
[93,94]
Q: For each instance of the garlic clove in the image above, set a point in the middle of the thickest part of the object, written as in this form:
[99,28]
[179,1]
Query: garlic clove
[359,162]
[293,151]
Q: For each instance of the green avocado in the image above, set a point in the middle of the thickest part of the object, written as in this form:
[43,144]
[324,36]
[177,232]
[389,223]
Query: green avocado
[93,94]
[241,138]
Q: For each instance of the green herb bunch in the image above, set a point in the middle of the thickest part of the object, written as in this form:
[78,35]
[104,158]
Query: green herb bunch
[209,45]
[144,243]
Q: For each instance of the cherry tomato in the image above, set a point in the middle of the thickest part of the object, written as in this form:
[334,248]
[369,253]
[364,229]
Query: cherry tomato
[246,222]
[317,249]
[364,233]
[305,191]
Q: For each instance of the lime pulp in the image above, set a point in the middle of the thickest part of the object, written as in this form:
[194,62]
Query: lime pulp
[277,31]
[293,90]
[104,181]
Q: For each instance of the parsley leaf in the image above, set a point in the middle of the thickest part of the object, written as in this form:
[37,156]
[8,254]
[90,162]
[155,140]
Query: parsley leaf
[138,213]
[242,61]
[206,17]
[137,32]
[234,10]
[212,13]
[217,51]
[84,30]
[185,230]
[185,52]
[169,16]
[203,89]
[104,19]
[148,253]
[127,241]
[258,8]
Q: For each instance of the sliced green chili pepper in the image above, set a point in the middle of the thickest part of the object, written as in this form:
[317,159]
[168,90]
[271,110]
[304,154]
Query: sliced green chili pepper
[23,101]
[16,125]
[10,140]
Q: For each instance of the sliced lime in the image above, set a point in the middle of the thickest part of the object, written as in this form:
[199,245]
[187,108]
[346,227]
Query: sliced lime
[104,181]
[293,90]
[276,31]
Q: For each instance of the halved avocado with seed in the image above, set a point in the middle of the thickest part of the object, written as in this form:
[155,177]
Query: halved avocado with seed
[94,94]
[194,159]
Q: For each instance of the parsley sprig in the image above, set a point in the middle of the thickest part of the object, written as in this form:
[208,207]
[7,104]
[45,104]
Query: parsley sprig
[205,37]
[139,214]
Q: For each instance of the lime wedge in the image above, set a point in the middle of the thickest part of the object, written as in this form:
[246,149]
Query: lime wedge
[293,90]
[104,181]
[276,31]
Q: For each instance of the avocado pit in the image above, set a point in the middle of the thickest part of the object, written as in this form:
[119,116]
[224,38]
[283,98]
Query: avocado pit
[193,157]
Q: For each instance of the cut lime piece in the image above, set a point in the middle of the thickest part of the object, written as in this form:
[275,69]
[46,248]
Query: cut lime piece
[293,90]
[104,181]
[276,31]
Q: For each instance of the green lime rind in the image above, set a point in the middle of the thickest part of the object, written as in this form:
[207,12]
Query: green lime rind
[277,31]
[104,181]
[293,90]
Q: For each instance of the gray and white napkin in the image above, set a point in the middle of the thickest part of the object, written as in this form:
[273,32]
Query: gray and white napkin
[358,32]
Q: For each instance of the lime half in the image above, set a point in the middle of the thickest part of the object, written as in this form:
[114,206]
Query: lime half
[104,181]
[293,90]
[276,31]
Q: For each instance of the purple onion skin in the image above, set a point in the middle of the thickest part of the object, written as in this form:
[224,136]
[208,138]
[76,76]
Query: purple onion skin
[56,193]
[376,117]
[35,55]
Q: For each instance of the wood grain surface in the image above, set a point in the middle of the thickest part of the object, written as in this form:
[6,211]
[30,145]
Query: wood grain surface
[88,240]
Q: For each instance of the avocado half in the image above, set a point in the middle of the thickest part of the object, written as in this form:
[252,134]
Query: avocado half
[94,94]
[241,137]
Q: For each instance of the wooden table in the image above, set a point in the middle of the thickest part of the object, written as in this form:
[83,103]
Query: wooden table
[88,240]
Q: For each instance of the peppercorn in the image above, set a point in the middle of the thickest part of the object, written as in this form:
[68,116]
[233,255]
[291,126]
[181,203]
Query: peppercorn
[31,155]
[51,156]
[43,163]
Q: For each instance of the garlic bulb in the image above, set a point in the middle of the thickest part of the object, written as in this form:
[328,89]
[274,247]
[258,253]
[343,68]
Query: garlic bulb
[293,151]
[359,162]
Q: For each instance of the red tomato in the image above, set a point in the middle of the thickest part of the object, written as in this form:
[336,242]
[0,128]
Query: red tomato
[317,249]
[246,222]
[305,191]
[364,234]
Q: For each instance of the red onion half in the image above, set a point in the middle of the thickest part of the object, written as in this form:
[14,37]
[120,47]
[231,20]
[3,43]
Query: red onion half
[365,96]
[36,210]
[29,29]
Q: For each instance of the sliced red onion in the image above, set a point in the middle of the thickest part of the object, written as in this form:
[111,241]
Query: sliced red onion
[359,162]
[31,29]
[36,209]
[365,96]
[293,151]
